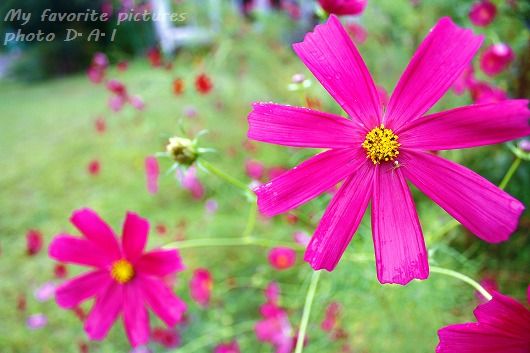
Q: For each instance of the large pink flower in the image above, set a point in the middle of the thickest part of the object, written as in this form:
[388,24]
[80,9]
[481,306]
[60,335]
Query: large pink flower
[123,278]
[375,151]
[503,326]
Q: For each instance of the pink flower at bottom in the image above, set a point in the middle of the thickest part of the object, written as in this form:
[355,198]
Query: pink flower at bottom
[201,286]
[282,258]
[375,152]
[503,326]
[152,171]
[123,278]
[231,347]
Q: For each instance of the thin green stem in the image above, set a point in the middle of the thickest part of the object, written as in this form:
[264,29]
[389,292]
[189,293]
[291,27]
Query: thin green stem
[251,220]
[310,296]
[226,177]
[463,278]
[248,241]
[511,171]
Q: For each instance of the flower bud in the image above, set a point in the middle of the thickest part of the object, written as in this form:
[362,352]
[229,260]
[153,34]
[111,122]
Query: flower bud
[182,150]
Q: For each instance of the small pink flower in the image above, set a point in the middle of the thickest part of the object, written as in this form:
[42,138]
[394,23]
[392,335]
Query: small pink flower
[100,60]
[465,81]
[482,13]
[484,93]
[37,321]
[191,182]
[34,242]
[231,347]
[496,59]
[254,169]
[137,102]
[357,32]
[95,74]
[201,286]
[211,206]
[152,171]
[116,103]
[503,325]
[331,317]
[155,57]
[94,167]
[123,278]
[45,292]
[374,153]
[100,125]
[168,338]
[282,258]
[301,238]
[117,87]
[60,271]
[343,7]
[122,66]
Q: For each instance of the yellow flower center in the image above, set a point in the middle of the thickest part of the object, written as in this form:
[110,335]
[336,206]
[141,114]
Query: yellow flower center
[381,145]
[122,271]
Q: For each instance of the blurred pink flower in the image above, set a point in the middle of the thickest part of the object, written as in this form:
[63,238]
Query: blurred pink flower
[189,181]
[137,102]
[116,103]
[282,258]
[117,87]
[100,60]
[301,238]
[231,347]
[503,326]
[254,169]
[482,13]
[201,286]
[362,151]
[123,278]
[94,167]
[122,66]
[152,172]
[211,206]
[34,242]
[343,7]
[36,321]
[60,271]
[331,317]
[465,81]
[45,292]
[484,93]
[496,58]
[357,32]
[100,125]
[95,74]
[107,9]
[168,338]
[155,57]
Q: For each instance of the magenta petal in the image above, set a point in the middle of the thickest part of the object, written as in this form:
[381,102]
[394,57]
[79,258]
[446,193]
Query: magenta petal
[341,219]
[334,60]
[505,313]
[308,180]
[135,317]
[105,311]
[438,62]
[167,306]
[66,248]
[152,171]
[301,127]
[73,292]
[480,206]
[471,126]
[96,230]
[400,252]
[135,231]
[160,263]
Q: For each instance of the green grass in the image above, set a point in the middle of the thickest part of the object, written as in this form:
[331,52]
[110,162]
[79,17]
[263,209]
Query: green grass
[47,139]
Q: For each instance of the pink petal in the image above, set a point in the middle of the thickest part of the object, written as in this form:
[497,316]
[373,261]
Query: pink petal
[168,307]
[334,60]
[506,314]
[301,127]
[400,252]
[73,292]
[96,230]
[105,311]
[308,180]
[341,219]
[160,263]
[66,248]
[135,317]
[135,230]
[437,63]
[152,172]
[480,206]
[471,126]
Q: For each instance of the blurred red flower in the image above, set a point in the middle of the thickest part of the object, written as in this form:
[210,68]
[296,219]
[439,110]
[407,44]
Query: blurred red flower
[282,258]
[34,242]
[60,271]
[203,84]
[94,167]
[168,338]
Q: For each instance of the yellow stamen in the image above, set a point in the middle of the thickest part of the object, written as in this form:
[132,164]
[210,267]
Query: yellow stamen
[381,145]
[122,271]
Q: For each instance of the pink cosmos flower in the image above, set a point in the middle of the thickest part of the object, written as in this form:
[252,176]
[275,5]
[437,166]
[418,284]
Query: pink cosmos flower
[201,286]
[343,7]
[191,182]
[482,13]
[95,74]
[152,171]
[375,151]
[282,258]
[231,347]
[503,326]
[496,58]
[34,242]
[254,169]
[117,87]
[483,93]
[301,238]
[94,167]
[123,279]
[36,321]
[116,103]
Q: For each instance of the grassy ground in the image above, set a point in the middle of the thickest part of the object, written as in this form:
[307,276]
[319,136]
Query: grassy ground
[47,139]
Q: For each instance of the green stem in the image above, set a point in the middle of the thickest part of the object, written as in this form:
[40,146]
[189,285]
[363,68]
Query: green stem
[511,171]
[463,278]
[310,296]
[251,220]
[226,177]
[248,241]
